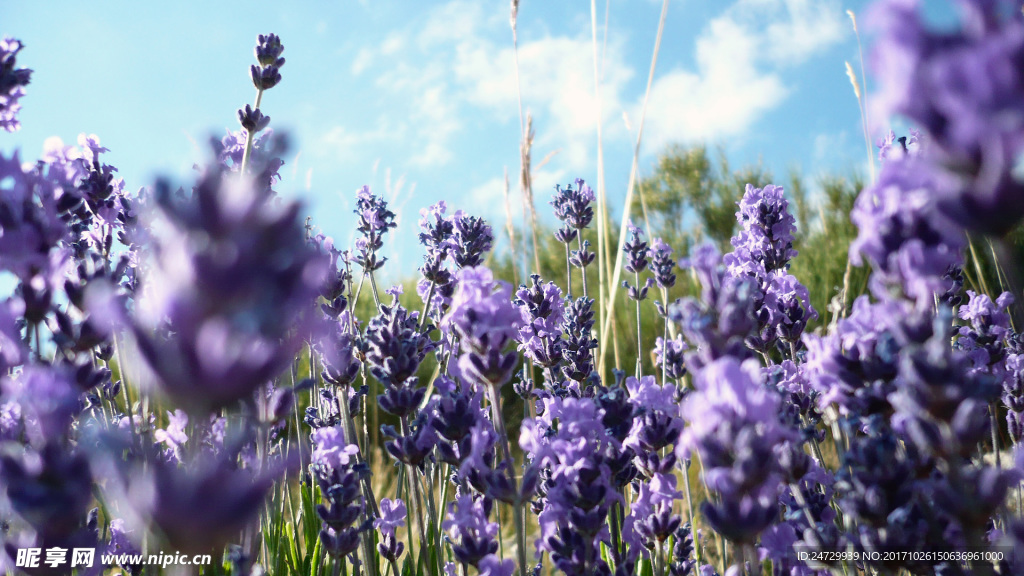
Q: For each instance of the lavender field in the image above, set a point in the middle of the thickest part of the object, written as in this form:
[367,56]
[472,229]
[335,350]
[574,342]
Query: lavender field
[707,372]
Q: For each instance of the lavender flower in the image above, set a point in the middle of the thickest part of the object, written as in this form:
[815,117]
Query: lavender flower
[12,83]
[656,425]
[733,426]
[414,446]
[572,207]
[394,347]
[454,413]
[579,341]
[268,53]
[471,535]
[392,517]
[652,510]
[374,221]
[717,324]
[670,354]
[483,318]
[543,311]
[470,240]
[252,121]
[767,227]
[436,229]
[338,473]
[662,263]
[579,490]
[636,251]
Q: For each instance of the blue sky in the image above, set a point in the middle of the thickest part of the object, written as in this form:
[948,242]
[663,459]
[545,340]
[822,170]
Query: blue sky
[418,99]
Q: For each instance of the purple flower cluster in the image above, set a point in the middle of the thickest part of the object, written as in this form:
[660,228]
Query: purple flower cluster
[374,221]
[763,249]
[733,427]
[211,328]
[903,234]
[573,208]
[570,442]
[12,83]
[873,433]
[962,86]
[484,320]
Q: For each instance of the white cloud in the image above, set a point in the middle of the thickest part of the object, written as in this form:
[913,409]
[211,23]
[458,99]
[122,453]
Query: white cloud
[362,61]
[458,63]
[394,43]
[739,58]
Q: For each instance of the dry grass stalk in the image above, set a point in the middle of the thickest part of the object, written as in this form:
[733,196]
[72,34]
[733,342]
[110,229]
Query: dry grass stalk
[616,274]
[526,186]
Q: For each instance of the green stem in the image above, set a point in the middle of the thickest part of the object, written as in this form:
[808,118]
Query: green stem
[517,507]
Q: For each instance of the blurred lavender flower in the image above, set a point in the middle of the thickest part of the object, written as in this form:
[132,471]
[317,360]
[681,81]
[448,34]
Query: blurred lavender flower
[12,83]
[983,339]
[337,349]
[939,388]
[573,209]
[374,221]
[902,233]
[49,488]
[31,207]
[229,294]
[122,545]
[717,324]
[892,148]
[963,87]
[670,354]
[855,367]
[48,399]
[173,437]
[492,565]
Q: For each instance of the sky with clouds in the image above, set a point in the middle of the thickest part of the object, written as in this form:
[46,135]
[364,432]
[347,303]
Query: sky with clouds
[419,99]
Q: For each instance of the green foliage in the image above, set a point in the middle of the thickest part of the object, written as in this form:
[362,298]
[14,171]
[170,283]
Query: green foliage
[689,185]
